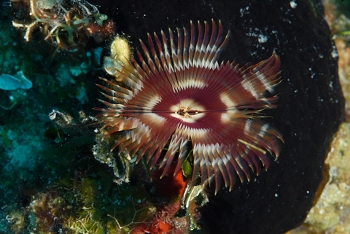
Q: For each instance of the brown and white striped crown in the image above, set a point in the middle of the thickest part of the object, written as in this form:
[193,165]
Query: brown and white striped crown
[176,95]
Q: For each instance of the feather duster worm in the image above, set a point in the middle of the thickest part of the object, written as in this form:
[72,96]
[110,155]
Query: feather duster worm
[177,93]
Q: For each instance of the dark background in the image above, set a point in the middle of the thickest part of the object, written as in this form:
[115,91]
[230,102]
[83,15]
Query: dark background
[309,111]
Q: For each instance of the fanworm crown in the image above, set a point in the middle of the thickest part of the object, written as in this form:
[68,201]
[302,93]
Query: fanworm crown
[177,95]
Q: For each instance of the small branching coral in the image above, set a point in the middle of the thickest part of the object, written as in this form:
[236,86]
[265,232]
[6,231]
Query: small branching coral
[49,213]
[177,96]
[66,22]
